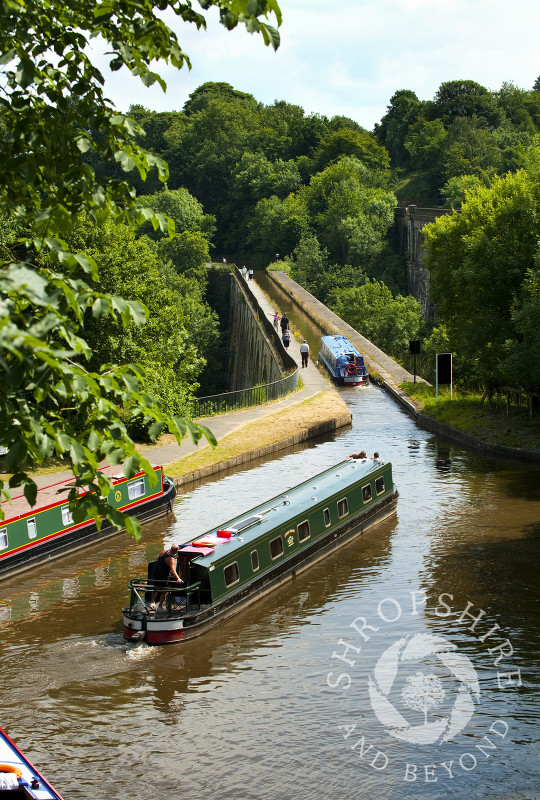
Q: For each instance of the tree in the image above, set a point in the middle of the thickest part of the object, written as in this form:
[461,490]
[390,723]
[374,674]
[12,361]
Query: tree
[456,190]
[478,260]
[349,213]
[46,182]
[391,132]
[346,142]
[466,98]
[276,226]
[386,321]
[523,362]
[189,248]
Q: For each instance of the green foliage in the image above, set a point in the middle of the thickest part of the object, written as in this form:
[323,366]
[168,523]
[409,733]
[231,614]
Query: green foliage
[52,404]
[276,226]
[404,109]
[185,211]
[456,190]
[350,214]
[386,321]
[478,261]
[357,143]
[523,362]
[189,249]
[465,98]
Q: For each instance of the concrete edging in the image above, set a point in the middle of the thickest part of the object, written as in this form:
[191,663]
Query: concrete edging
[313,308]
[243,458]
[454,434]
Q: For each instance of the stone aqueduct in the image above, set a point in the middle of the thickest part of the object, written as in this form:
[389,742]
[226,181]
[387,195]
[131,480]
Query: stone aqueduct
[409,222]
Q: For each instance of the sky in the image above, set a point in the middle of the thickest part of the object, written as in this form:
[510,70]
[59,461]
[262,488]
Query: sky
[348,57]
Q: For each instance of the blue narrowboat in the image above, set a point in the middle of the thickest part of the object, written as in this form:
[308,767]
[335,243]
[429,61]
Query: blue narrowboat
[31,534]
[343,361]
[18,777]
[228,568]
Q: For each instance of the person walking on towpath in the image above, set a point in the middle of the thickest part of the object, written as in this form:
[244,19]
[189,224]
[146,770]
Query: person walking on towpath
[284,323]
[286,339]
[275,316]
[304,352]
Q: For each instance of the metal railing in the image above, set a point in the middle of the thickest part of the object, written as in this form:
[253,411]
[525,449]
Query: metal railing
[178,596]
[244,398]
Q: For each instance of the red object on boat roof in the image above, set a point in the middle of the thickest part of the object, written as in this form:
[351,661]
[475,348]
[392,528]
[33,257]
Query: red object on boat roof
[224,534]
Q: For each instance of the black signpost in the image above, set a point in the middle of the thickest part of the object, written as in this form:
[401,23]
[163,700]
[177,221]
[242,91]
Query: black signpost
[443,372]
[414,349]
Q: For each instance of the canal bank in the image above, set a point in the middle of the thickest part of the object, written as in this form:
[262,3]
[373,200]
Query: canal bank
[388,374]
[261,431]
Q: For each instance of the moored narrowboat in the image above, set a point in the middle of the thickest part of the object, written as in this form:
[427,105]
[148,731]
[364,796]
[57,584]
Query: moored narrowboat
[343,361]
[32,534]
[18,777]
[227,569]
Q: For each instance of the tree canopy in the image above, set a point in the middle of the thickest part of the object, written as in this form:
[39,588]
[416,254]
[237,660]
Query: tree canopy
[483,263]
[49,145]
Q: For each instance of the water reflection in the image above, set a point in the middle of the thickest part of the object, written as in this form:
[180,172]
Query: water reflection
[246,710]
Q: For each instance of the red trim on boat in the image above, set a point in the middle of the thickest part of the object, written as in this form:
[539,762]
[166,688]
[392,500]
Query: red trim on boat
[164,637]
[83,524]
[129,633]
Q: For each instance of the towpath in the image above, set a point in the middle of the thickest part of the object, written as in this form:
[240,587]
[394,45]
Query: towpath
[223,424]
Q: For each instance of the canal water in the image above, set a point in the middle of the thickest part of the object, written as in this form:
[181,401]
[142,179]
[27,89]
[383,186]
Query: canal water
[365,677]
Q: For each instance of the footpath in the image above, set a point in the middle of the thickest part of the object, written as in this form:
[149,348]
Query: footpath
[222,425]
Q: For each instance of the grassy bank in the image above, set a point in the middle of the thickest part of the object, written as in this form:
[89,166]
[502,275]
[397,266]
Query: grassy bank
[271,429]
[470,413]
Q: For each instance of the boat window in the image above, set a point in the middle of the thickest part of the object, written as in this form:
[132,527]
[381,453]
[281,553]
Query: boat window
[3,539]
[276,547]
[67,516]
[231,574]
[136,488]
[342,507]
[379,485]
[303,531]
[32,529]
[326,518]
[366,493]
[254,560]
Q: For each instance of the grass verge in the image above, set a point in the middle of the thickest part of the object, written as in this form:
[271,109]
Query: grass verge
[270,429]
[467,412]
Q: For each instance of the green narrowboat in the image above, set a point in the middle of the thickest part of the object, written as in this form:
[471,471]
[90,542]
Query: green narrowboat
[228,568]
[31,534]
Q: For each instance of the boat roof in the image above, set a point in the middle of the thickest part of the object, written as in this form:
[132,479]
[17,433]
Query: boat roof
[13,757]
[53,494]
[263,518]
[339,345]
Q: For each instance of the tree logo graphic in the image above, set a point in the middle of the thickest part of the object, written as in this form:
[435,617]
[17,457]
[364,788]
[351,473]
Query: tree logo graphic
[423,691]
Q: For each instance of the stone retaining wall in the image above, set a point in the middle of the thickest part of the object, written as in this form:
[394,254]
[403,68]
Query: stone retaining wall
[387,373]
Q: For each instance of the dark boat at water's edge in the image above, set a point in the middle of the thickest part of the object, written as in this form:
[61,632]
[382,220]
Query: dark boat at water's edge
[229,568]
[32,534]
[18,777]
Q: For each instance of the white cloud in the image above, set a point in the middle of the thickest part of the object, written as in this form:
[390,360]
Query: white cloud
[350,56]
